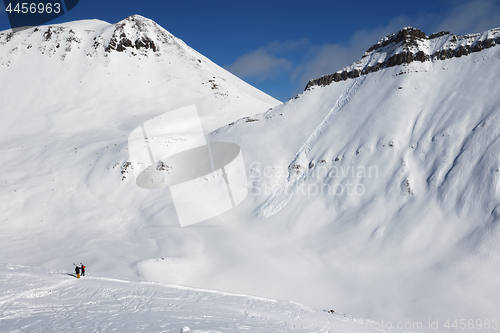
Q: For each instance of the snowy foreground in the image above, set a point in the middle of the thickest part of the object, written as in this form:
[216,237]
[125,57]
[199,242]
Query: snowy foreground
[41,300]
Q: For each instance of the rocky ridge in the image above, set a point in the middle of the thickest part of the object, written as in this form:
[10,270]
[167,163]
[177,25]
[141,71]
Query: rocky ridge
[409,45]
[135,35]
[135,32]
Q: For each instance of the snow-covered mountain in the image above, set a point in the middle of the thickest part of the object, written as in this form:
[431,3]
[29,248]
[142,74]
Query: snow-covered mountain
[377,195]
[127,67]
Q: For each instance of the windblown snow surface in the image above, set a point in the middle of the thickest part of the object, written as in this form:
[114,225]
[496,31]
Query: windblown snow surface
[42,300]
[376,196]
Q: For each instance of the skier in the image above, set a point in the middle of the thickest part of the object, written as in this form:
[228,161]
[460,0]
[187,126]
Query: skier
[83,269]
[77,271]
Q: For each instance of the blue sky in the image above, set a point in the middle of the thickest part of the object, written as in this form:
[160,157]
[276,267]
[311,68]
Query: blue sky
[278,46]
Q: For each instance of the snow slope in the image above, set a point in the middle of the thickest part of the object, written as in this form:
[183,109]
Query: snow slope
[41,300]
[385,187]
[410,234]
[71,94]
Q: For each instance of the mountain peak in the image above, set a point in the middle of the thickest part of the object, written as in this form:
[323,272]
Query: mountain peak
[138,23]
[406,36]
[137,17]
[408,45]
[137,32]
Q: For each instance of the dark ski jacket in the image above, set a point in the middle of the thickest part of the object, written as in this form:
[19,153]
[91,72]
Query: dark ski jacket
[77,270]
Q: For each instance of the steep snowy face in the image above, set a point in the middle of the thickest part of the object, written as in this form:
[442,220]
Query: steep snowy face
[387,185]
[409,45]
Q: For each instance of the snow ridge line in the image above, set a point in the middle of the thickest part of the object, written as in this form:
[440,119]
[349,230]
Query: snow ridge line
[296,169]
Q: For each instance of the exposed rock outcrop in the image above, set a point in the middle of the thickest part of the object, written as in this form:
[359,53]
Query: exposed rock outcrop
[123,36]
[409,45]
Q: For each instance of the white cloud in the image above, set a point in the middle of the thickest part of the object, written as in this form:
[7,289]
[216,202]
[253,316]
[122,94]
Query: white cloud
[264,63]
[259,64]
[287,46]
[471,17]
[327,58]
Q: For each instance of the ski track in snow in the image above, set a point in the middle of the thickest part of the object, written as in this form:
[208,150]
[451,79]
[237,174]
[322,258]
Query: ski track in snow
[295,178]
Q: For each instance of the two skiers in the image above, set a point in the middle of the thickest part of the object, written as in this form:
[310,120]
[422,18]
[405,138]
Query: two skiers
[78,269]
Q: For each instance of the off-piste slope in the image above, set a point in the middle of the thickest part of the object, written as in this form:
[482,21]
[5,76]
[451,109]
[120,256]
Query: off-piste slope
[70,96]
[35,299]
[383,189]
